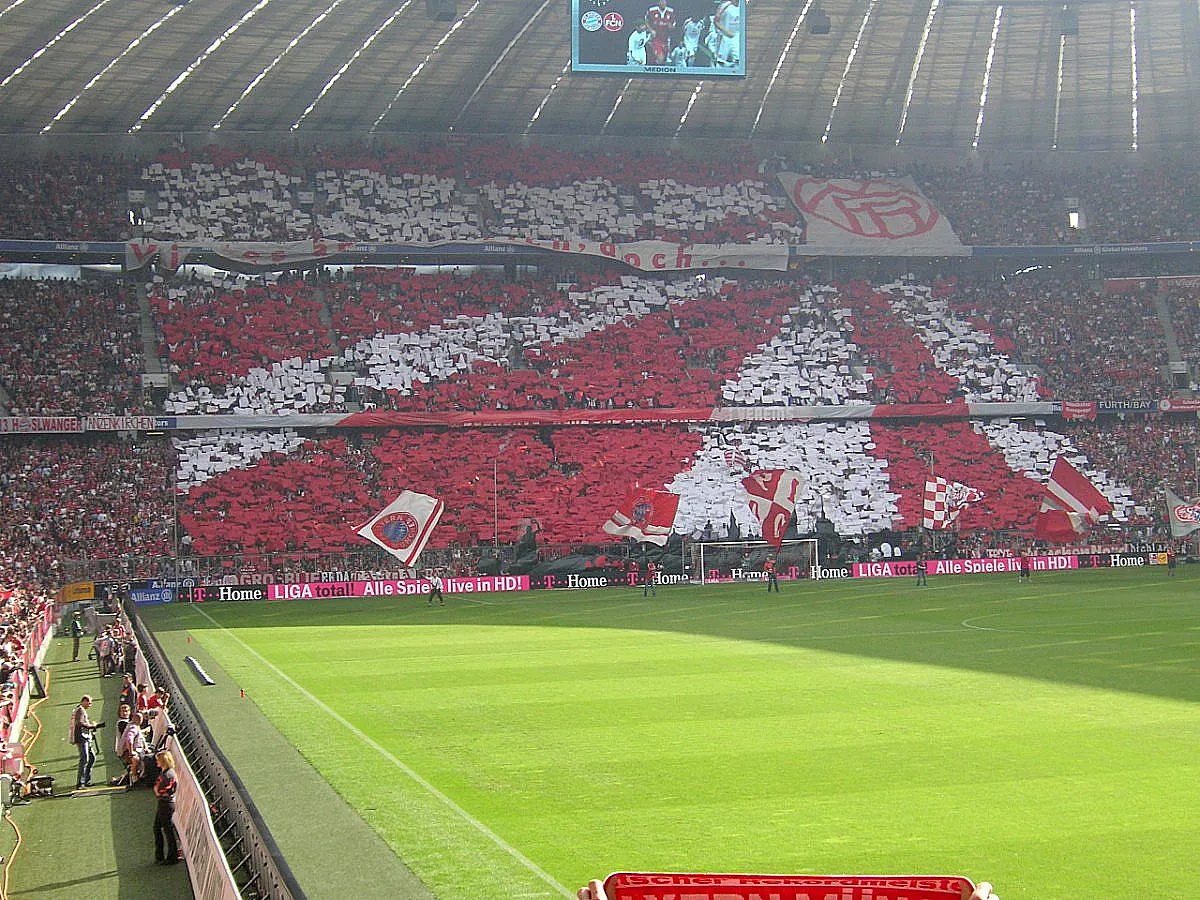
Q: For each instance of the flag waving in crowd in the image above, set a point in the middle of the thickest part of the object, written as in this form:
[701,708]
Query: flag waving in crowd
[736,459]
[404,526]
[1070,506]
[645,515]
[1184,514]
[945,500]
[772,499]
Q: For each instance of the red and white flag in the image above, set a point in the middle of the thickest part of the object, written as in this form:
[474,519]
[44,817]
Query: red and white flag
[645,515]
[1070,506]
[945,500]
[772,499]
[404,526]
[735,459]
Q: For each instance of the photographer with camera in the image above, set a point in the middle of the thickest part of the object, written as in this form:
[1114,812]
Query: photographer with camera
[82,733]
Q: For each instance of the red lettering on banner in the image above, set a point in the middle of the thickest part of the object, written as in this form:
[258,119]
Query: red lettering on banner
[658,261]
[683,259]
[634,260]
[609,250]
[150,250]
[278,256]
[251,255]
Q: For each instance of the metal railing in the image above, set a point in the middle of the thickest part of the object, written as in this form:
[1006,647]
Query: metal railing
[258,866]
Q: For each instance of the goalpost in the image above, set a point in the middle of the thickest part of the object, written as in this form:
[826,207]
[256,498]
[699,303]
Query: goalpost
[720,561]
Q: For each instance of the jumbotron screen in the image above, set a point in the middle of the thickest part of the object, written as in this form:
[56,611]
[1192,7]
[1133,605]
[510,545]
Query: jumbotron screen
[698,38]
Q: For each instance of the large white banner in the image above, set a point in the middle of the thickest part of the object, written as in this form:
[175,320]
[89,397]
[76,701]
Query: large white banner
[647,256]
[661,256]
[848,217]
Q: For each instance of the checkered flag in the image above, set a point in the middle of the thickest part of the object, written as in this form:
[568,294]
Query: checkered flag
[944,500]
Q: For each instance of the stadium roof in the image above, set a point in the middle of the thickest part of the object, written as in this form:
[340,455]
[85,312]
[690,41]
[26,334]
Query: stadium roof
[945,73]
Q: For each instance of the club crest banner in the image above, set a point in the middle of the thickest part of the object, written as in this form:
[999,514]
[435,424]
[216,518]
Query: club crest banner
[849,217]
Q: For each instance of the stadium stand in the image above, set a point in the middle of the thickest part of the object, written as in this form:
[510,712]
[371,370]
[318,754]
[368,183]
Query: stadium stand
[213,332]
[436,194]
[71,499]
[77,197]
[496,189]
[70,348]
[1184,305]
[1083,342]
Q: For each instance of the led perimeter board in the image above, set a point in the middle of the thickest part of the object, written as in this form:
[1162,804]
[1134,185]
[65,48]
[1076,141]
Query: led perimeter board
[696,38]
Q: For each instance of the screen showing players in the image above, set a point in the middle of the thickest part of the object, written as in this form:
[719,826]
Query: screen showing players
[697,38]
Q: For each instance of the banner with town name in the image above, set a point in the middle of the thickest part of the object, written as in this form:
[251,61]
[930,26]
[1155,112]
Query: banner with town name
[646,256]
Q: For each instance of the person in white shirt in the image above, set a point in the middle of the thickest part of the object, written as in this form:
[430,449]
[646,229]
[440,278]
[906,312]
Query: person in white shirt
[637,45]
[723,38]
[133,747]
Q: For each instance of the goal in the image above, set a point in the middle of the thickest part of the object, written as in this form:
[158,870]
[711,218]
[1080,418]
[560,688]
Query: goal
[721,561]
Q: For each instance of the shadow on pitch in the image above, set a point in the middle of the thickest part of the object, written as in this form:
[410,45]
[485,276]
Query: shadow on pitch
[1127,632]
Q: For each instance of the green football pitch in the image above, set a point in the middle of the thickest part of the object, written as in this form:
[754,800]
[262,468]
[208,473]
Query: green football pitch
[1042,736]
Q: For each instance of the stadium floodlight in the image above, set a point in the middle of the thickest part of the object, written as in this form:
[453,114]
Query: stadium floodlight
[197,62]
[70,26]
[846,71]
[423,63]
[246,91]
[133,45]
[787,48]
[363,48]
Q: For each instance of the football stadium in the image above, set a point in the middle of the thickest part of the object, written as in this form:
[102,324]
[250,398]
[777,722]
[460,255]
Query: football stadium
[599,449]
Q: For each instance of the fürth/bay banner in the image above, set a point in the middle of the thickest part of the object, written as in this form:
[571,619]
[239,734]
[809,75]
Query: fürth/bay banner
[848,217]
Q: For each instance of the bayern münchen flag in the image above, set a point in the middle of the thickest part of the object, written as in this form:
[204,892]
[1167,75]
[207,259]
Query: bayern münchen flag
[1183,514]
[645,515]
[1070,505]
[404,526]
[944,500]
[773,500]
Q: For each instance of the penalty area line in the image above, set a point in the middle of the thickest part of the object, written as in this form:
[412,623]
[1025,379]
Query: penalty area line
[397,762]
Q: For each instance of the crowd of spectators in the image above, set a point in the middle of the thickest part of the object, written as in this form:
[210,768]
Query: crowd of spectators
[66,198]
[1184,303]
[70,347]
[1084,343]
[679,355]
[438,193]
[1151,452]
[71,499]
[489,188]
[453,341]
[312,499]
[212,332]
[23,616]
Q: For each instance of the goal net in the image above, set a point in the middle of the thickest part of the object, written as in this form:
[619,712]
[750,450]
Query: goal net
[720,561]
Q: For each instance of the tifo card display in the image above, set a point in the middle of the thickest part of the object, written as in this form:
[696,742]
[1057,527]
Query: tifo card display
[697,38]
